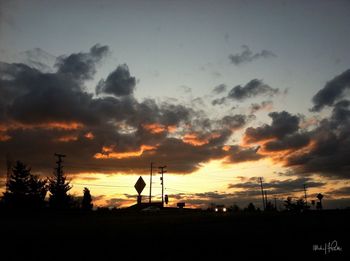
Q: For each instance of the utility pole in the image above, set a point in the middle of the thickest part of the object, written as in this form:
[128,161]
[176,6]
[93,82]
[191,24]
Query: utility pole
[305,195]
[275,203]
[262,192]
[162,171]
[59,167]
[150,184]
[265,198]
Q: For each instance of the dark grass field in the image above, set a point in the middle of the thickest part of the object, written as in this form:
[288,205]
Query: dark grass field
[172,235]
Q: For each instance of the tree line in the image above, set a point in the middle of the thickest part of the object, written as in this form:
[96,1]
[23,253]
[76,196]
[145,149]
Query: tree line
[25,190]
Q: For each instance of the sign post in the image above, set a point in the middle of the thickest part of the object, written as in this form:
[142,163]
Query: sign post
[139,186]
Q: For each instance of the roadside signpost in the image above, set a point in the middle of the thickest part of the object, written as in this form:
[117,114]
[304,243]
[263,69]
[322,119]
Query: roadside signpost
[139,186]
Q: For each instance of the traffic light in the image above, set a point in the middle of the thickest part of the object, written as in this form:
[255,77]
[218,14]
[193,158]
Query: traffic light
[166,199]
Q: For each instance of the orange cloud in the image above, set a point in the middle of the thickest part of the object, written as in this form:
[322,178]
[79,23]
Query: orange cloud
[62,125]
[226,148]
[4,137]
[48,126]
[89,135]
[171,128]
[110,153]
[281,156]
[67,138]
[247,141]
[156,128]
[195,140]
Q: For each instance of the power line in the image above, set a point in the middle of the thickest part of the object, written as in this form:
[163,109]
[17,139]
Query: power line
[102,185]
[179,190]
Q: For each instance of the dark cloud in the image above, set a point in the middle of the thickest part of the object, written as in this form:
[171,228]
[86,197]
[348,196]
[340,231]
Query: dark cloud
[279,186]
[332,91]
[294,141]
[53,112]
[248,56]
[207,199]
[220,89]
[330,151]
[264,105]
[238,154]
[340,113]
[212,195]
[320,148]
[81,66]
[38,59]
[250,192]
[117,202]
[118,83]
[343,191]
[338,203]
[219,101]
[252,89]
[283,123]
[234,122]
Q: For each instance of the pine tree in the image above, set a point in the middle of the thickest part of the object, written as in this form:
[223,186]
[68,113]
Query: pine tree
[86,203]
[38,189]
[24,189]
[58,187]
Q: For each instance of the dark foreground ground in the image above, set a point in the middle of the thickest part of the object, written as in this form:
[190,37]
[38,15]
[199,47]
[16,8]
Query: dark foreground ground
[173,235]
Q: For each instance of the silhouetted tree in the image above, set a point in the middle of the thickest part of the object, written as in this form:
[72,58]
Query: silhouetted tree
[301,205]
[24,189]
[250,208]
[319,204]
[235,208]
[58,187]
[269,206]
[86,203]
[288,204]
[38,189]
[298,206]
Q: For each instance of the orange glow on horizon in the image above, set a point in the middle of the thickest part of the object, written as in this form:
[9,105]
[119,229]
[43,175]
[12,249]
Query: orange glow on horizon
[117,190]
[47,126]
[109,153]
[4,137]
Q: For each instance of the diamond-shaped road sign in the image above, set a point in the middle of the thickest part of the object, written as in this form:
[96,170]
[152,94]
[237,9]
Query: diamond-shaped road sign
[140,185]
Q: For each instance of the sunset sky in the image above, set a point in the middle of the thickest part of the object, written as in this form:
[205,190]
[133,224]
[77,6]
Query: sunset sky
[221,92]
